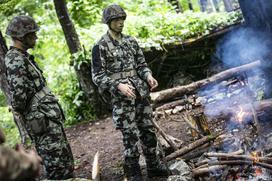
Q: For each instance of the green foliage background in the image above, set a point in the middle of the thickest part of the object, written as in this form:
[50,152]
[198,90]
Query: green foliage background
[152,22]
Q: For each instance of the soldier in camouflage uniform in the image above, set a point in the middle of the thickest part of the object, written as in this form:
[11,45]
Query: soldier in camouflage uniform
[33,100]
[17,165]
[119,69]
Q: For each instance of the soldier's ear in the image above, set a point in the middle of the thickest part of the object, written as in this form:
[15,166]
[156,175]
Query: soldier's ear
[2,136]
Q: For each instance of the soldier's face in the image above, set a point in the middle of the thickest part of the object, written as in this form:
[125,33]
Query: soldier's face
[117,24]
[30,40]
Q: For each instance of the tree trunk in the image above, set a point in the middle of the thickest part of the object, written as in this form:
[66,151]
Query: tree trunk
[82,69]
[4,87]
[176,5]
[168,94]
[190,4]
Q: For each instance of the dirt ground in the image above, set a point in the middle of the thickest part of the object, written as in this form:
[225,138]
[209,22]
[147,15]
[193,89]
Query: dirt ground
[88,138]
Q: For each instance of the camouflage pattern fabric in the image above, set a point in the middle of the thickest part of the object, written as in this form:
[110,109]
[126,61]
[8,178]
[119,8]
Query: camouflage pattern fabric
[43,117]
[112,12]
[19,26]
[131,116]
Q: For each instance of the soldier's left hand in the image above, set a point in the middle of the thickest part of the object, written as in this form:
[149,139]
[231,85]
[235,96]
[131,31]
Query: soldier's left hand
[153,83]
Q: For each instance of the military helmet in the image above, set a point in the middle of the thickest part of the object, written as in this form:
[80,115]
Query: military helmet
[112,12]
[19,26]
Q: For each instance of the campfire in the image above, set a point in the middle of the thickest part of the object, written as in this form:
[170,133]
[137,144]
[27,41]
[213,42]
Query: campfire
[224,122]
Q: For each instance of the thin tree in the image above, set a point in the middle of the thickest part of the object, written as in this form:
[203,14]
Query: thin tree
[82,69]
[4,87]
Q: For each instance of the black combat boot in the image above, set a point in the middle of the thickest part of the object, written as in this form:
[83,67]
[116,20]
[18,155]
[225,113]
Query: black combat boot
[132,170]
[155,168]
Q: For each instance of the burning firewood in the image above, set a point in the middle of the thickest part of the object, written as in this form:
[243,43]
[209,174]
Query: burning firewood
[218,164]
[206,161]
[226,156]
[168,94]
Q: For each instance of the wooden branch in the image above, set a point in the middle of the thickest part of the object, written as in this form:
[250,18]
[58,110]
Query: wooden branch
[203,162]
[167,138]
[190,147]
[203,171]
[232,163]
[227,156]
[168,94]
[196,153]
[170,105]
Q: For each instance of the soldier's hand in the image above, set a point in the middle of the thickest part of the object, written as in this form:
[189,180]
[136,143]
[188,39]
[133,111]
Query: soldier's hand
[153,83]
[127,90]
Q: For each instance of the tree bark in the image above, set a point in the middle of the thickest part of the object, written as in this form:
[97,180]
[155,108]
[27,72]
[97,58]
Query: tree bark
[168,94]
[4,88]
[82,69]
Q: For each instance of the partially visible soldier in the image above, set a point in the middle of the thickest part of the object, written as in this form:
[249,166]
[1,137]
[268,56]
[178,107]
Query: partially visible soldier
[119,69]
[18,165]
[33,100]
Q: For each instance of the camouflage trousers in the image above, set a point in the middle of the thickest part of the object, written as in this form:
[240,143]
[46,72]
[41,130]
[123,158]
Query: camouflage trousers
[45,128]
[133,118]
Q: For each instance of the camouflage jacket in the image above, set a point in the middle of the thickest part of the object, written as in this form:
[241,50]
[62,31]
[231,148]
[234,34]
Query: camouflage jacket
[24,78]
[121,57]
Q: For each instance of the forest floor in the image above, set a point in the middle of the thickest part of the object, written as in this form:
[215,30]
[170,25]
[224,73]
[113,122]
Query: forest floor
[88,138]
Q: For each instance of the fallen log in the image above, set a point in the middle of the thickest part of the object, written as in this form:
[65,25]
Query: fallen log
[168,94]
[191,147]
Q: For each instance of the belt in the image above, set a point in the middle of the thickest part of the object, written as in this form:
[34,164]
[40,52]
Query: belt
[121,75]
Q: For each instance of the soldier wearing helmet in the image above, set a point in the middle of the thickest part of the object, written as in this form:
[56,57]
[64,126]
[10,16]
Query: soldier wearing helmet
[34,102]
[119,69]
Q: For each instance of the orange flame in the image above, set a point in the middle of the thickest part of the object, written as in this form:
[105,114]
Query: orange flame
[258,171]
